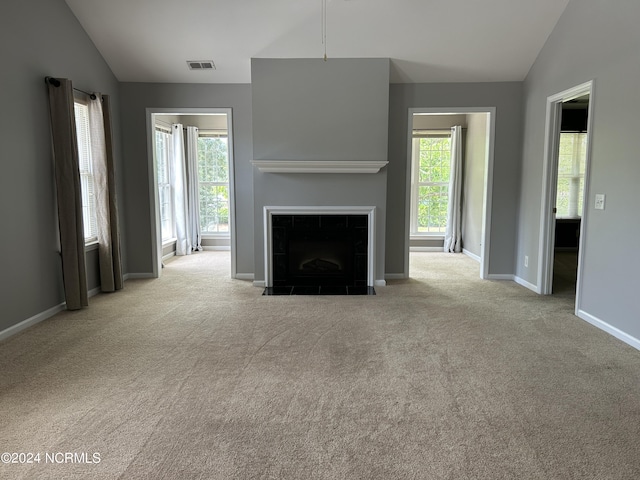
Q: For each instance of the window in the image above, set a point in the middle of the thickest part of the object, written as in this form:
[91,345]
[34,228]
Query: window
[164,172]
[431,164]
[81,110]
[571,165]
[213,175]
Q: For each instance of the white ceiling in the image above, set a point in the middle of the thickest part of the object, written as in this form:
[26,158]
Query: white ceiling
[426,40]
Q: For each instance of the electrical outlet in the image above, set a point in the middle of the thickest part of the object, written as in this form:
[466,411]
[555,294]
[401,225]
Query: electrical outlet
[526,261]
[599,201]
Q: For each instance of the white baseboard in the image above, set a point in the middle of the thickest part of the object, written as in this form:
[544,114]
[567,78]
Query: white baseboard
[500,276]
[133,276]
[395,276]
[426,249]
[94,292]
[524,283]
[245,276]
[216,248]
[168,256]
[40,317]
[379,283]
[471,255]
[29,322]
[258,283]
[611,330]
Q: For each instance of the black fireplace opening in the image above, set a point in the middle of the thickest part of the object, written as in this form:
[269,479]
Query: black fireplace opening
[319,254]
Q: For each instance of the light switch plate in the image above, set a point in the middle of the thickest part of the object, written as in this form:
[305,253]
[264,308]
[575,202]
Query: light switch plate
[599,201]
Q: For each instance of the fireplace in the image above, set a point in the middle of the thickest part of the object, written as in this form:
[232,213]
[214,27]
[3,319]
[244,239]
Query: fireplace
[312,251]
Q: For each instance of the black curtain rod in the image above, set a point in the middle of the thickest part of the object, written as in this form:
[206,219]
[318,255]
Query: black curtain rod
[56,83]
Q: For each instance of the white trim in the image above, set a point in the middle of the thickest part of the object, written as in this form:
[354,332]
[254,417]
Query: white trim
[319,166]
[39,317]
[395,276]
[216,248]
[168,256]
[471,255]
[136,276]
[245,276]
[93,245]
[269,211]
[524,283]
[153,187]
[514,278]
[380,283]
[432,237]
[93,292]
[501,276]
[18,327]
[602,325]
[549,182]
[426,249]
[259,283]
[488,179]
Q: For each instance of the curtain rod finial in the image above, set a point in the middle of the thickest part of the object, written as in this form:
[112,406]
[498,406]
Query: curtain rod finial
[53,81]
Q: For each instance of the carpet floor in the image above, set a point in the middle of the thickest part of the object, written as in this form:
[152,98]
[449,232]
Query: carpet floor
[441,376]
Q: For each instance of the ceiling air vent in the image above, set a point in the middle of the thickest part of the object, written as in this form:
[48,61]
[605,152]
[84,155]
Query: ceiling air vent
[201,65]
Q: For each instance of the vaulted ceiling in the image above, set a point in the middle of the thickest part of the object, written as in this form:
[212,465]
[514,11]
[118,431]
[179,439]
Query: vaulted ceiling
[426,40]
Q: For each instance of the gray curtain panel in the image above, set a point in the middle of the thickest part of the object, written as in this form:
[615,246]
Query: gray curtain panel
[111,278]
[69,195]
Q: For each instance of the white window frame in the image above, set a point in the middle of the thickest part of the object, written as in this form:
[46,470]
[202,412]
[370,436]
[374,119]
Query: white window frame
[169,184]
[416,184]
[85,167]
[218,134]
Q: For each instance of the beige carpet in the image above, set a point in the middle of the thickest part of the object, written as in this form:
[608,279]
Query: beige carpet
[443,376]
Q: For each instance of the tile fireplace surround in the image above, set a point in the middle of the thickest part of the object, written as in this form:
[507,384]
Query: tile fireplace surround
[360,284]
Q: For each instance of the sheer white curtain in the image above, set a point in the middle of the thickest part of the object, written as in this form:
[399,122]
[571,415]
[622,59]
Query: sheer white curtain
[183,243]
[193,197]
[111,277]
[452,236]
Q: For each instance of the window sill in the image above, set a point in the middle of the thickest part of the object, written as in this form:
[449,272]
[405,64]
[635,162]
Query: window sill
[216,235]
[89,246]
[166,243]
[426,236]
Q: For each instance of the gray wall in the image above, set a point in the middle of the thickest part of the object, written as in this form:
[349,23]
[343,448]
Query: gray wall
[295,106]
[136,98]
[39,38]
[597,40]
[473,182]
[309,109]
[507,98]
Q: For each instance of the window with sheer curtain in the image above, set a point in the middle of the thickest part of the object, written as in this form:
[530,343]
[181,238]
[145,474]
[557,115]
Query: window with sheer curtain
[571,166]
[87,183]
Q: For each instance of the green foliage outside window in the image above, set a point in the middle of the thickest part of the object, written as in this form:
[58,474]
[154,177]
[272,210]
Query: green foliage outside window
[213,174]
[433,184]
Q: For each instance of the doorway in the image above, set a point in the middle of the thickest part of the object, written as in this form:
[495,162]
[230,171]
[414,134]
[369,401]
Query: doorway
[572,153]
[429,135]
[214,174]
[565,190]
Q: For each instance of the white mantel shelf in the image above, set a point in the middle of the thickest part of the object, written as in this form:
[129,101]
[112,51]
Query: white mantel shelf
[319,166]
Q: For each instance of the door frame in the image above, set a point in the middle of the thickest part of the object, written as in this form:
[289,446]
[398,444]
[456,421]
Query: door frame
[549,186]
[488,179]
[156,250]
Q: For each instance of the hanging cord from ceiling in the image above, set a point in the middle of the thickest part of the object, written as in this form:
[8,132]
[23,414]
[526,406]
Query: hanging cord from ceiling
[324,27]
